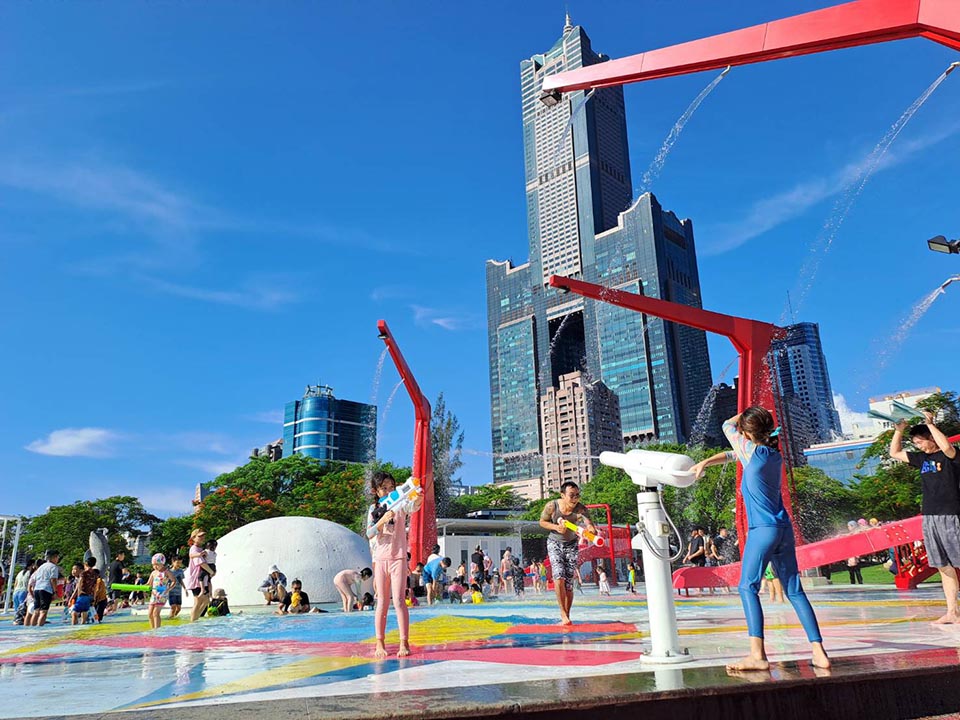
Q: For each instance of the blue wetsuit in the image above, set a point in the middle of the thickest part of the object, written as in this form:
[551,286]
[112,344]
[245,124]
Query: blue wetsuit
[770,539]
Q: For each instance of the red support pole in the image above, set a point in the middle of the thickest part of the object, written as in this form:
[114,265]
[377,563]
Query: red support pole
[751,338]
[423,524]
[863,22]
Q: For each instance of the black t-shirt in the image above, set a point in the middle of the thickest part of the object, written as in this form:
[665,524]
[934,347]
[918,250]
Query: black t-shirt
[939,482]
[696,544]
[116,572]
[477,559]
[288,599]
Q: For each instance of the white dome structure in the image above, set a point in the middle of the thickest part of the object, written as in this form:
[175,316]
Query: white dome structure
[311,549]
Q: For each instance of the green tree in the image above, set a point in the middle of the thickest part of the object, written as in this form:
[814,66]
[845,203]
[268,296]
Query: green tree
[944,406]
[446,439]
[821,505]
[272,480]
[228,508]
[535,507]
[67,528]
[892,493]
[339,496]
[613,487]
[487,497]
[171,536]
[710,502]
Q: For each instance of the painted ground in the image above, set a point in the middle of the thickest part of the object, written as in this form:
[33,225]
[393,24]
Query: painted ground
[123,665]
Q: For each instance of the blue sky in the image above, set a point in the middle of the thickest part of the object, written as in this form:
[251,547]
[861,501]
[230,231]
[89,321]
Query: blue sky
[204,207]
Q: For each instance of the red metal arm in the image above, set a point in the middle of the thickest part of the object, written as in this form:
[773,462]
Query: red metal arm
[857,23]
[751,338]
[423,524]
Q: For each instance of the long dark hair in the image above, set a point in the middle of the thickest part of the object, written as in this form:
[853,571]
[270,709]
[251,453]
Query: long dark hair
[758,422]
[379,478]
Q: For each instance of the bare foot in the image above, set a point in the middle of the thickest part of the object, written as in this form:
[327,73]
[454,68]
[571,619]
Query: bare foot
[820,659]
[750,664]
[948,619]
[381,652]
[404,650]
[565,620]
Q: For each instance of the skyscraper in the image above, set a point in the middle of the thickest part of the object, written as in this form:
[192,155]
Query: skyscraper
[580,421]
[323,427]
[581,224]
[799,369]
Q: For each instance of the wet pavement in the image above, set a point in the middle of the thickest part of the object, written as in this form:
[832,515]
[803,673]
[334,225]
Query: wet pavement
[502,656]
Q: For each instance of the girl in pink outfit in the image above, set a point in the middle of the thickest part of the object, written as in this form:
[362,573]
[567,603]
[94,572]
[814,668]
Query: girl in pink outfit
[390,561]
[194,575]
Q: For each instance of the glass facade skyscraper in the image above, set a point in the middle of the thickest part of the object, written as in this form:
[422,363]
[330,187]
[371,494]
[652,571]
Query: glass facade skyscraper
[799,368]
[581,224]
[323,427]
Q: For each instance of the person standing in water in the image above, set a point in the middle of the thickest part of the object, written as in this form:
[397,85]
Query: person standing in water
[755,444]
[390,560]
[563,543]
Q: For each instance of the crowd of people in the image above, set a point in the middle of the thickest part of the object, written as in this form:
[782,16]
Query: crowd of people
[768,558]
[87,595]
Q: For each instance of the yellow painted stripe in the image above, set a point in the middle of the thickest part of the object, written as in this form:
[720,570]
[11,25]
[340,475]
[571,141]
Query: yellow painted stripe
[793,626]
[275,676]
[449,629]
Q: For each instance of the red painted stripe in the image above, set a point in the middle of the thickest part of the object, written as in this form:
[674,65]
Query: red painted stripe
[612,627]
[535,656]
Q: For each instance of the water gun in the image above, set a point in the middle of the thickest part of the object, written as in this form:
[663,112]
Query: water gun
[585,534]
[408,491]
[129,588]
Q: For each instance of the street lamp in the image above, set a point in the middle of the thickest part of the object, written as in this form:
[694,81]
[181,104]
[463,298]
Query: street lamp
[941,245]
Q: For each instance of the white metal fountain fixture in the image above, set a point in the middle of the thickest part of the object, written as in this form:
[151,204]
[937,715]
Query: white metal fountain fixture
[650,470]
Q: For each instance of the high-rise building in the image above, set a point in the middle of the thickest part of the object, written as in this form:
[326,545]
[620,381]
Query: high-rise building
[721,407]
[323,427]
[841,460]
[799,369]
[581,224]
[580,421]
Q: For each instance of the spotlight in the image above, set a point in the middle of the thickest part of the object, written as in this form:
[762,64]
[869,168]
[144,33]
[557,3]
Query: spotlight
[941,245]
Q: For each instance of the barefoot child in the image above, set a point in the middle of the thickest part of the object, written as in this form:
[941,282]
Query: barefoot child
[390,561]
[756,445]
[161,581]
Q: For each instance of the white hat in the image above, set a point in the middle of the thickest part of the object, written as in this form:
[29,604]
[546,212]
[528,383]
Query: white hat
[273,569]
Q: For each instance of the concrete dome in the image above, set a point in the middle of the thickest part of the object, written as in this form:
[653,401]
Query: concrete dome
[311,549]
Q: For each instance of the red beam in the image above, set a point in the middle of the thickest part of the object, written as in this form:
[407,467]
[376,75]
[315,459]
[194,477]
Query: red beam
[863,22]
[751,338]
[423,524]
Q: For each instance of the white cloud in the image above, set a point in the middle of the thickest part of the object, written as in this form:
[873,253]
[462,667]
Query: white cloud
[77,442]
[260,294]
[166,501]
[446,320]
[211,467]
[270,417]
[388,292]
[772,211]
[850,418]
[97,185]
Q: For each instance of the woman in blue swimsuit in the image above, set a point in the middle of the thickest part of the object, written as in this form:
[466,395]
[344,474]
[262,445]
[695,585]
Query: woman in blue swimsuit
[770,539]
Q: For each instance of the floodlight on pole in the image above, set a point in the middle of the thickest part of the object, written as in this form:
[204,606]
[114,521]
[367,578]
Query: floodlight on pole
[941,245]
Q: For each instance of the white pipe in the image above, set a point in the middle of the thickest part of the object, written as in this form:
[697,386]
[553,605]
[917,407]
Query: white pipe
[11,566]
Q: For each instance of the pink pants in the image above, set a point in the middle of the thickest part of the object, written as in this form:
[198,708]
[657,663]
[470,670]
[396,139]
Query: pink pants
[390,580]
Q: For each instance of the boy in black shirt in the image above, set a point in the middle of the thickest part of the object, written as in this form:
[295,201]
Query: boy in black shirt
[939,468]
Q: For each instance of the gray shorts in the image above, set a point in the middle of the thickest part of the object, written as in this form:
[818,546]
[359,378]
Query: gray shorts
[564,558]
[941,535]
